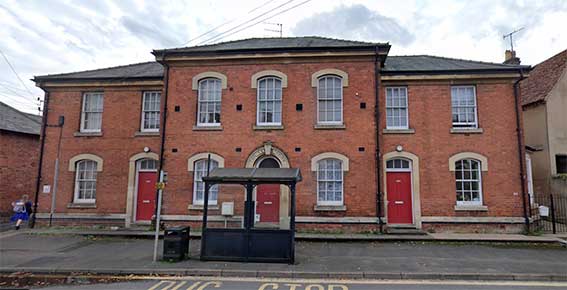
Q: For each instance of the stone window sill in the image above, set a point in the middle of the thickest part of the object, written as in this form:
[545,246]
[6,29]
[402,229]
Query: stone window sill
[329,127]
[398,131]
[87,134]
[207,128]
[467,131]
[146,134]
[268,127]
[329,208]
[81,205]
[471,208]
[201,207]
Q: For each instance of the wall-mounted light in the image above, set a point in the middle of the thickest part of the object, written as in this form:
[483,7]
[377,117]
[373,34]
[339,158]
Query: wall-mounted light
[146,149]
[399,148]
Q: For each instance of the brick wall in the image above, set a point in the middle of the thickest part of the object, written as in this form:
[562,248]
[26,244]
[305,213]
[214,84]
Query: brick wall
[360,181]
[120,122]
[18,168]
[432,142]
[429,116]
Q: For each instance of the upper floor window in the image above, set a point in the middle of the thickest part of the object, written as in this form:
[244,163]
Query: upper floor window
[91,112]
[468,182]
[209,104]
[463,102]
[561,164]
[199,185]
[269,101]
[150,111]
[396,108]
[85,181]
[329,182]
[330,100]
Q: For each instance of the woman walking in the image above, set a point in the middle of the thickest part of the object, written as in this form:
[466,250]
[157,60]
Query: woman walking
[22,210]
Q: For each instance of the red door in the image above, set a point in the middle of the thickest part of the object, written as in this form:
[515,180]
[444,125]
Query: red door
[399,198]
[268,203]
[146,196]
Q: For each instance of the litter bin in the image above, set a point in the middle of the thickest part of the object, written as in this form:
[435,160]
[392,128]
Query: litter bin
[176,243]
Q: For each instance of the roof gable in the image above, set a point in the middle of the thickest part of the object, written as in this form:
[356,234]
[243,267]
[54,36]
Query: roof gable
[16,121]
[542,79]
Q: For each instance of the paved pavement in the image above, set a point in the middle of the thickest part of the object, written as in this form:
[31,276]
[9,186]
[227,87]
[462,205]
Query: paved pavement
[140,233]
[396,260]
[267,284]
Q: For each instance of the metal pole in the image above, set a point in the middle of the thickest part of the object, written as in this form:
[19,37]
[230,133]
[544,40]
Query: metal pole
[292,223]
[55,177]
[53,195]
[552,205]
[158,216]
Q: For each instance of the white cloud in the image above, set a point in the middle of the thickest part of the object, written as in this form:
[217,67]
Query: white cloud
[47,36]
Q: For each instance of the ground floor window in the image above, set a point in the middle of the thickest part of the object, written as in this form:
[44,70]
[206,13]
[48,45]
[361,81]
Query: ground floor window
[468,182]
[85,181]
[329,182]
[198,184]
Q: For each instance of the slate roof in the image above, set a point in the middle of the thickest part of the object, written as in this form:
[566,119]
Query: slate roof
[410,64]
[16,121]
[271,43]
[542,79]
[143,70]
[418,64]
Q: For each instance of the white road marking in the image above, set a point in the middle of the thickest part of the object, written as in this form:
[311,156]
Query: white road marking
[353,282]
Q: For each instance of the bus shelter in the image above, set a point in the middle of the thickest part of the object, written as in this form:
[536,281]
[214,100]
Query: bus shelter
[249,243]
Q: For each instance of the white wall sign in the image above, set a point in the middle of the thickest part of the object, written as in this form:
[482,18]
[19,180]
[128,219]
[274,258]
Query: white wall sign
[46,188]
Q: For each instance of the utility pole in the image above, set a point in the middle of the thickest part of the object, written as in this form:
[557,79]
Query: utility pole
[510,35]
[279,28]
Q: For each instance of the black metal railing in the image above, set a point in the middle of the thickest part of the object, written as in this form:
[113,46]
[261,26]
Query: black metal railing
[549,213]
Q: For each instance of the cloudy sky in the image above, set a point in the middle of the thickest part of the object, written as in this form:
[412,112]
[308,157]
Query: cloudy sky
[44,36]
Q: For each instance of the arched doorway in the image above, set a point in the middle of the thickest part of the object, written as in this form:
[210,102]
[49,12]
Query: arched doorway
[269,156]
[268,196]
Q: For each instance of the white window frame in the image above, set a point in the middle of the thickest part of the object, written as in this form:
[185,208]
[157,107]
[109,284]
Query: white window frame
[199,101]
[84,112]
[465,125]
[139,165]
[479,180]
[398,169]
[144,111]
[76,198]
[334,202]
[195,182]
[276,79]
[340,122]
[390,90]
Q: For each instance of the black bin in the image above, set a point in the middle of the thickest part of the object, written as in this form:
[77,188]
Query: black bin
[176,243]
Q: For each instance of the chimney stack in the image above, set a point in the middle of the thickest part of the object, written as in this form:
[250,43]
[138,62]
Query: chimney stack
[510,57]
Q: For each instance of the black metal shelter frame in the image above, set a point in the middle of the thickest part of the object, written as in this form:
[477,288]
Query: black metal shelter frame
[250,244]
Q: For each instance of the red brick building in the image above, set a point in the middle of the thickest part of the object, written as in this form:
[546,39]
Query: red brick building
[411,141]
[19,140]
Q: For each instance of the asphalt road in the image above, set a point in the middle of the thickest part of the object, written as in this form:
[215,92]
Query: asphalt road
[298,284]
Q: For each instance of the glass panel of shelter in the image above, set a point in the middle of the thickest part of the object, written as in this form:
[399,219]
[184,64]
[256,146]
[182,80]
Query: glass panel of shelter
[272,204]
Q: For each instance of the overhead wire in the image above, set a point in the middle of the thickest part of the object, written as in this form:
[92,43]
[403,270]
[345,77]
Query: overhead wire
[225,23]
[270,17]
[244,23]
[15,72]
